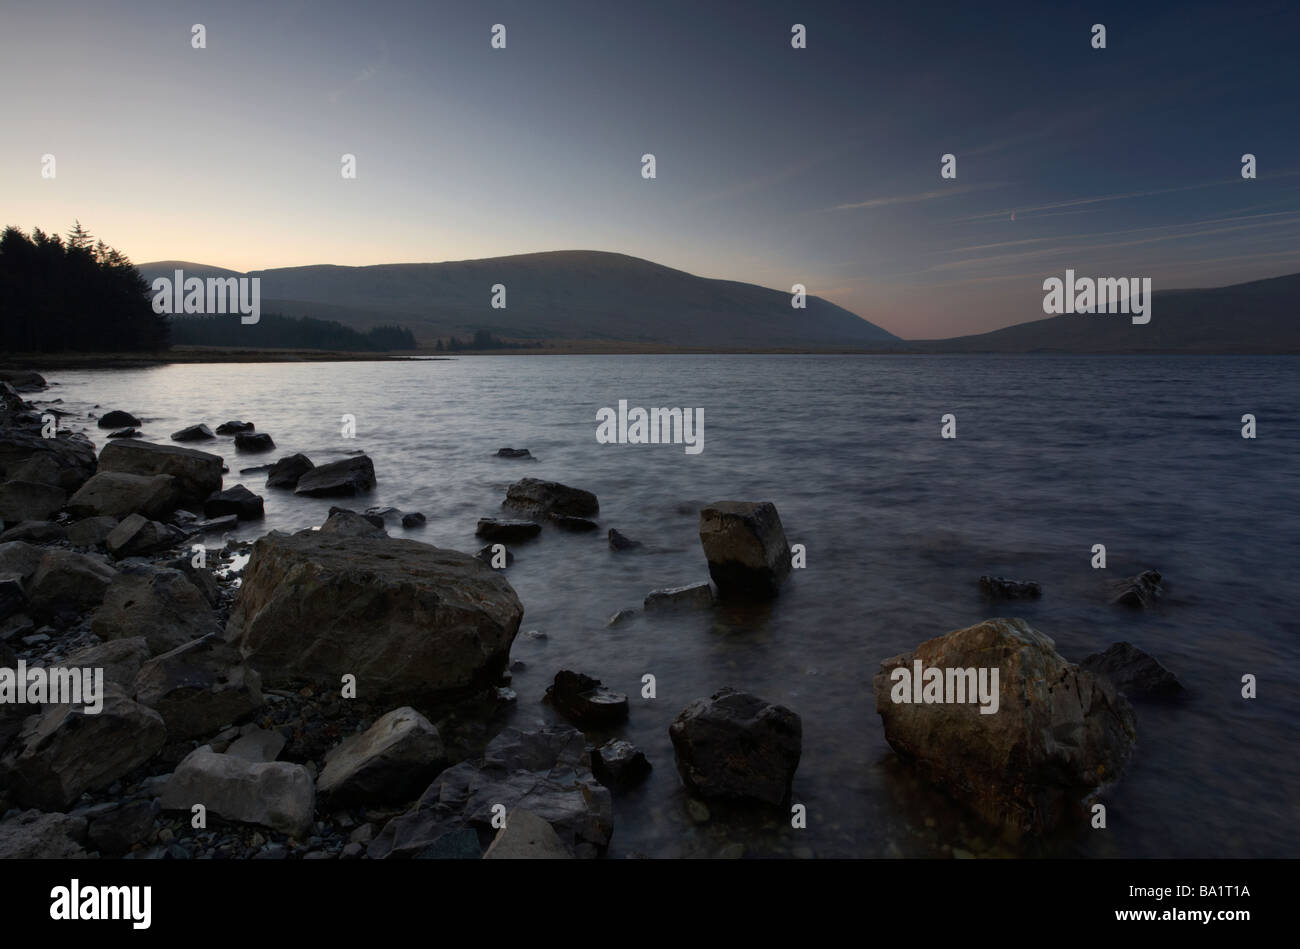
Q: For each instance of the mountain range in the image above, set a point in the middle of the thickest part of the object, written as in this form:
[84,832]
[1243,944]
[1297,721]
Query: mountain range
[614,301]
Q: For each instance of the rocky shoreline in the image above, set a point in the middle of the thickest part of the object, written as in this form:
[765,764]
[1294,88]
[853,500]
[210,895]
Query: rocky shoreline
[340,693]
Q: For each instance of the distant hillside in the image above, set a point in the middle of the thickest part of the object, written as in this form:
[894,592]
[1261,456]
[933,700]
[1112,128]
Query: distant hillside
[564,295]
[1258,317]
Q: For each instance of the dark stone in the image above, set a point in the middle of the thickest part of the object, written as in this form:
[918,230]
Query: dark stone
[194,433]
[414,519]
[577,525]
[538,497]
[619,764]
[115,828]
[234,427]
[746,548]
[373,519]
[1140,592]
[214,524]
[240,501]
[126,433]
[737,746]
[1000,588]
[118,419]
[338,478]
[254,441]
[459,844]
[506,531]
[514,453]
[1134,672]
[485,555]
[286,472]
[620,541]
[585,700]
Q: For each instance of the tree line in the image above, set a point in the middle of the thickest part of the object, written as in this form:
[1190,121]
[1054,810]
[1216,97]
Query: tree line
[274,331]
[73,295]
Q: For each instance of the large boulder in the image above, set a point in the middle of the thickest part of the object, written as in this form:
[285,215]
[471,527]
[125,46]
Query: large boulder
[137,535]
[29,501]
[746,547]
[286,472]
[199,687]
[66,580]
[1055,734]
[64,751]
[116,494]
[412,622]
[338,478]
[197,473]
[546,772]
[273,794]
[66,461]
[393,760]
[162,605]
[540,498]
[737,746]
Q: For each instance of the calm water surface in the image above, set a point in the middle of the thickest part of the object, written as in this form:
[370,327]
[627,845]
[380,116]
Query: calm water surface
[1053,455]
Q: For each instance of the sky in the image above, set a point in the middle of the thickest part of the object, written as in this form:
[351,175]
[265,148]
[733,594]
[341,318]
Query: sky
[774,165]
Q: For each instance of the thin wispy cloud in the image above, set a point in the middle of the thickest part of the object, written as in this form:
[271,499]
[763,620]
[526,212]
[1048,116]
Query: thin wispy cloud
[916,198]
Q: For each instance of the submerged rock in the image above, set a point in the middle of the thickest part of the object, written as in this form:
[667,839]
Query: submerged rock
[619,541]
[746,548]
[234,427]
[737,746]
[1140,592]
[194,433]
[118,419]
[126,433]
[490,528]
[514,453]
[412,622]
[585,701]
[695,596]
[575,525]
[1057,733]
[1000,588]
[619,764]
[344,478]
[240,501]
[1134,673]
[254,441]
[534,496]
[487,555]
[413,520]
[286,472]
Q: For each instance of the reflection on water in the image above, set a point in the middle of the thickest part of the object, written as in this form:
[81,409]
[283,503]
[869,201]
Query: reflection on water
[1053,455]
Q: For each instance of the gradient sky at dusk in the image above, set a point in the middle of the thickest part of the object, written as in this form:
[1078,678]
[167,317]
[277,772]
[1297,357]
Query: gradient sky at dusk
[775,165]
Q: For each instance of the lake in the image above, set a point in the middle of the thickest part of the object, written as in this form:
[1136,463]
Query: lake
[1053,454]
